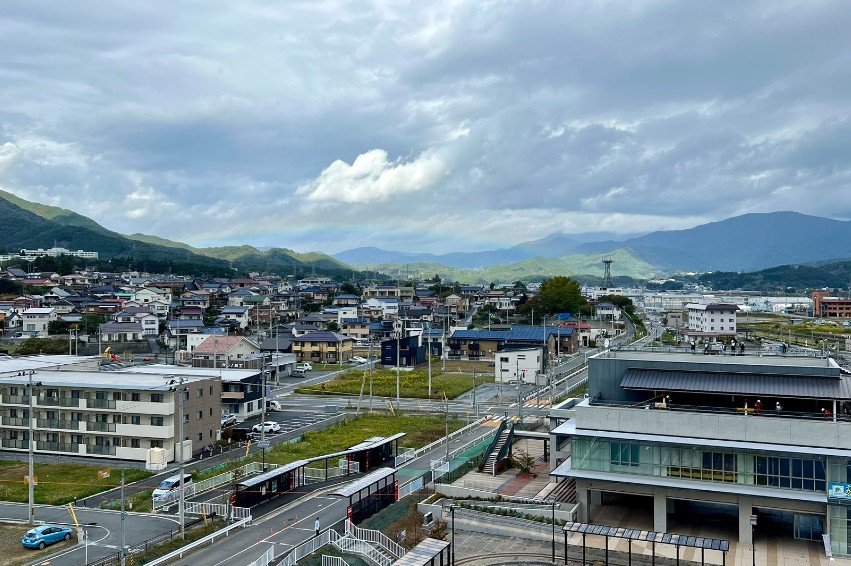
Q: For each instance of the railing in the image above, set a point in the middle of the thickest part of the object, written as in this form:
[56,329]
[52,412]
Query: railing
[100,404]
[100,449]
[309,547]
[100,426]
[504,449]
[218,509]
[333,561]
[408,455]
[59,401]
[15,443]
[16,421]
[16,399]
[318,474]
[492,445]
[765,412]
[376,537]
[463,448]
[410,487]
[200,542]
[363,548]
[58,423]
[58,446]
[269,557]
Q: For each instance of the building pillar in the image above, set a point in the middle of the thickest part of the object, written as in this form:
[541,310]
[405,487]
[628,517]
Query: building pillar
[584,500]
[660,510]
[745,512]
[596,497]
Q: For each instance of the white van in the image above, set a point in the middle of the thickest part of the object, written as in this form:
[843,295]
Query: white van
[272,405]
[169,489]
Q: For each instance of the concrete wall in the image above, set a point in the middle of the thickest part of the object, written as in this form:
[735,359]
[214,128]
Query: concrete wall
[763,429]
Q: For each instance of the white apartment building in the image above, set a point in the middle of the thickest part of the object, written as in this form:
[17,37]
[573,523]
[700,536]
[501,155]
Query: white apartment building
[36,320]
[711,321]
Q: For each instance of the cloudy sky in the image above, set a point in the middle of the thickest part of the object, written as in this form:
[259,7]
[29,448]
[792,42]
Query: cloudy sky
[424,126]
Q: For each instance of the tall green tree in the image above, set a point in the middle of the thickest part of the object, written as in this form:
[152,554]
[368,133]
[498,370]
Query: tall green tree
[560,294]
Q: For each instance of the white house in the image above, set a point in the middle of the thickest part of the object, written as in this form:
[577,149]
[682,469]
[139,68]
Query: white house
[514,365]
[239,314]
[35,320]
[608,311]
[148,321]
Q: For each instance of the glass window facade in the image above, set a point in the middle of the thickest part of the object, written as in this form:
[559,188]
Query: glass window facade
[788,471]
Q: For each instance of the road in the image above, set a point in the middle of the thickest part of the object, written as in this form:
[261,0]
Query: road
[104,536]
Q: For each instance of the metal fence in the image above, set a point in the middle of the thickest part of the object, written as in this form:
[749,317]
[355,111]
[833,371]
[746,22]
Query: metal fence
[410,455]
[144,546]
[309,547]
[376,537]
[268,557]
[333,561]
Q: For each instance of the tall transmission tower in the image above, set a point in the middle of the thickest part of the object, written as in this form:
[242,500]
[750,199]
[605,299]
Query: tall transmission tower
[607,272]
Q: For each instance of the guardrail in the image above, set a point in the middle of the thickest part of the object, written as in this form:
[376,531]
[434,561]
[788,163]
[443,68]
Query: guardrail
[200,542]
[410,487]
[269,557]
[463,448]
[309,547]
[218,509]
[428,447]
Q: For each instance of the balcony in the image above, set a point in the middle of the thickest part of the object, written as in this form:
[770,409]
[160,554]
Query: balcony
[58,447]
[146,407]
[16,399]
[100,449]
[16,443]
[100,427]
[58,401]
[58,423]
[16,421]
[145,431]
[100,404]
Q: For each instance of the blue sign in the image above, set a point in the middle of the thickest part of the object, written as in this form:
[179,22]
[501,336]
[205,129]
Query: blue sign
[839,492]
[563,315]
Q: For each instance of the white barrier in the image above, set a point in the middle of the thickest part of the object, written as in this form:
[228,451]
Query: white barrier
[267,558]
[200,542]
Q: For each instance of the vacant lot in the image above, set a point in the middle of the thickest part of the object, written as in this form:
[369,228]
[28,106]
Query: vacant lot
[421,430]
[59,483]
[13,553]
[412,384]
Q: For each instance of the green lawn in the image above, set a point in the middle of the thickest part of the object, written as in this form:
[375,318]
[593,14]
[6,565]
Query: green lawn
[412,384]
[420,429]
[59,483]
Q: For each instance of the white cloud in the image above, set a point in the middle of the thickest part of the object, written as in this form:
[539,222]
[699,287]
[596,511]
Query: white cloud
[372,177]
[9,153]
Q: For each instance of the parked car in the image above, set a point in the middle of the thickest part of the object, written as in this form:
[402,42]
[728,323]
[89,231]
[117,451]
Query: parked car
[359,359]
[17,334]
[298,372]
[304,366]
[713,348]
[228,420]
[268,426]
[42,535]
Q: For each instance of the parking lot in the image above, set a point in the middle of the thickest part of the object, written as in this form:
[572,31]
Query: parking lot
[290,421]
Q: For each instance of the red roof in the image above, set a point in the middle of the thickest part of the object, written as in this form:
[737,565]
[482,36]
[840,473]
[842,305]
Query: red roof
[218,344]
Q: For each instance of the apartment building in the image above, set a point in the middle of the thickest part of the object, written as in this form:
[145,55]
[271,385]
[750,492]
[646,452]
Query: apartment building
[99,414]
[708,322]
[323,347]
[733,437]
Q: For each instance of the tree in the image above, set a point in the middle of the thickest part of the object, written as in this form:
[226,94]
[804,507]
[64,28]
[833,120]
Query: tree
[350,289]
[560,294]
[333,326]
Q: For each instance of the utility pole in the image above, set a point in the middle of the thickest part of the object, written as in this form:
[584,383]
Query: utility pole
[429,363]
[123,531]
[30,478]
[474,393]
[263,421]
[181,501]
[398,348]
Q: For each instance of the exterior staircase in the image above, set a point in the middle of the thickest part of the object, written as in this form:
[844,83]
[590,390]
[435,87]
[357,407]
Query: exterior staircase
[376,547]
[565,491]
[493,459]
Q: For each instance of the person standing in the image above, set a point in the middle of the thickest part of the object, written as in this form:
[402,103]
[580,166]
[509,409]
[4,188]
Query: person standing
[317,526]
[778,407]
[757,406]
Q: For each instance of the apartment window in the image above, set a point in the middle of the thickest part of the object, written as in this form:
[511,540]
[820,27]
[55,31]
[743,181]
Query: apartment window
[77,416]
[211,411]
[624,454]
[250,407]
[156,421]
[135,419]
[211,390]
[13,413]
[77,439]
[76,394]
[211,433]
[135,443]
[156,443]
[186,395]
[102,395]
[200,392]
[200,436]
[13,434]
[101,418]
[200,415]
[185,418]
[52,415]
[52,393]
[156,397]
[135,397]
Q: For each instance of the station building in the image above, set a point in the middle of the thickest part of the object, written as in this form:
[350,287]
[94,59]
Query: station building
[764,438]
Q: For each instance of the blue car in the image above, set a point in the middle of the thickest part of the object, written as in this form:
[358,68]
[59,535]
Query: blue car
[41,536]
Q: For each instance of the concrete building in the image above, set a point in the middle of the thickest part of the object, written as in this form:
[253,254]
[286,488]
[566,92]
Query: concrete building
[513,366]
[36,320]
[80,411]
[827,306]
[711,322]
[728,436]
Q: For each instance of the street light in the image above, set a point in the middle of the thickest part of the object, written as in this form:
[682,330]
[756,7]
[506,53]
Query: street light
[753,541]
[554,532]
[452,511]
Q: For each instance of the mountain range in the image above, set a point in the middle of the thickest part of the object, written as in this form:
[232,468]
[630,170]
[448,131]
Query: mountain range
[749,242]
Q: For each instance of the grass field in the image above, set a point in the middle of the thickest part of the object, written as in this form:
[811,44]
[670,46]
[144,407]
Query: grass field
[420,429]
[13,553]
[59,483]
[412,384]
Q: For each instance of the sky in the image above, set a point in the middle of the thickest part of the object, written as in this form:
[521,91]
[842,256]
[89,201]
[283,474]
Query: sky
[424,126]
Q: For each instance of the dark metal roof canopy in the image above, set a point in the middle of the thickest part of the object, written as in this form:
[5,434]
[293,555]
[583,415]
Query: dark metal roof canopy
[649,536]
[801,387]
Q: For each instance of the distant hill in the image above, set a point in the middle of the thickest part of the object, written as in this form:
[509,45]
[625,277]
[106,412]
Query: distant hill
[787,279]
[743,243]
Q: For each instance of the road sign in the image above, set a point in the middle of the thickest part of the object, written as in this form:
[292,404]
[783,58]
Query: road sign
[263,444]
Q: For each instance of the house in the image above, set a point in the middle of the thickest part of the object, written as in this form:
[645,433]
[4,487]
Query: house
[523,365]
[406,351]
[607,311]
[122,331]
[139,315]
[236,298]
[177,330]
[357,328]
[322,346]
[478,344]
[36,320]
[225,351]
[346,300]
[238,314]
